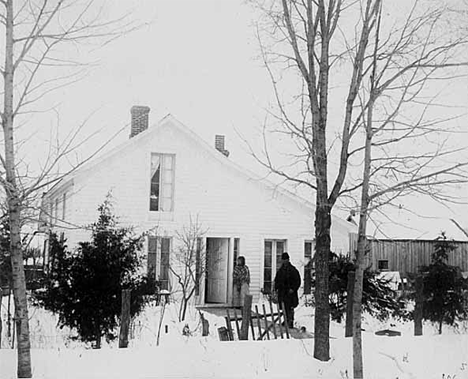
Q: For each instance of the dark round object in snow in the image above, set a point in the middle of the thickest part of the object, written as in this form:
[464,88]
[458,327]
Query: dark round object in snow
[388,332]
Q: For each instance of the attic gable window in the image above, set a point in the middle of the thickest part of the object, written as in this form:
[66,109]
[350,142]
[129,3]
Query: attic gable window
[162,182]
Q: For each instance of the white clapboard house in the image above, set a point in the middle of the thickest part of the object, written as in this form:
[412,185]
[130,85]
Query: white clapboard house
[165,175]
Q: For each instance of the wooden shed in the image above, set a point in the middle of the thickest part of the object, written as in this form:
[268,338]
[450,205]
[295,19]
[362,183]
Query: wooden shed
[406,255]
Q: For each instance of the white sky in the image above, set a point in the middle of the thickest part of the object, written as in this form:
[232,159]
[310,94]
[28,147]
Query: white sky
[198,61]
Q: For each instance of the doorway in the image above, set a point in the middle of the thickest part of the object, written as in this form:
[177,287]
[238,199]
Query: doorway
[217,263]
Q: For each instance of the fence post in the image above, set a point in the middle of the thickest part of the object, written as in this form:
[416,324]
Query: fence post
[223,334]
[125,319]
[349,304]
[418,306]
[205,324]
[246,315]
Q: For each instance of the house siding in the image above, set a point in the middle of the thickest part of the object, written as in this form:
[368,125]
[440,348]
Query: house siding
[227,202]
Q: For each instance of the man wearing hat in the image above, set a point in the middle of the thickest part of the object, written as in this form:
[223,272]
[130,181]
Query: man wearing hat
[287,282]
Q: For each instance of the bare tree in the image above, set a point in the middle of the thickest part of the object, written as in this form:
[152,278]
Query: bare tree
[303,32]
[34,35]
[188,262]
[315,47]
[389,170]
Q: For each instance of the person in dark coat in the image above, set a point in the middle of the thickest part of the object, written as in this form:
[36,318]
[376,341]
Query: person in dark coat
[287,282]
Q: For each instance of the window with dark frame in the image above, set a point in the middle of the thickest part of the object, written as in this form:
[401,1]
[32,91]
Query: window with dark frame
[164,267]
[272,251]
[383,265]
[267,267]
[158,260]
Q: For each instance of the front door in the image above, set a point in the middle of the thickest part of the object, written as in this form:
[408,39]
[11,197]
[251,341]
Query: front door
[217,252]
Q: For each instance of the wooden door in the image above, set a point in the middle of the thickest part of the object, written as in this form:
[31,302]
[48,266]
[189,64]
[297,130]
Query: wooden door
[217,250]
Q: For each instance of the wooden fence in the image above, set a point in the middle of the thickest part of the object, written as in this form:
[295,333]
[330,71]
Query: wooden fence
[406,256]
[268,325]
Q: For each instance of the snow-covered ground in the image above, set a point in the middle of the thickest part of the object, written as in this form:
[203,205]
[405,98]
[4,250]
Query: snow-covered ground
[178,356]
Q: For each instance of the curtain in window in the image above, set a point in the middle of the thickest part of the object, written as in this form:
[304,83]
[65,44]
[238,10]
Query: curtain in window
[155,163]
[155,182]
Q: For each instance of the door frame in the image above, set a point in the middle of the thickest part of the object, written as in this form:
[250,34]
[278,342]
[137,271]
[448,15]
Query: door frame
[228,272]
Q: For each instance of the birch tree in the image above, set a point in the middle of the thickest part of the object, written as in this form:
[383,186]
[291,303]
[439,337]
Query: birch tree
[405,60]
[35,32]
[320,58]
[303,33]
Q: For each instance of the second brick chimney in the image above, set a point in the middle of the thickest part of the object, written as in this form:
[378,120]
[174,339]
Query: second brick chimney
[140,119]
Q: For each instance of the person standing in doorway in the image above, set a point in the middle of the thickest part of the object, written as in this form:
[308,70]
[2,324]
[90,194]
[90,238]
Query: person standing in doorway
[287,282]
[241,282]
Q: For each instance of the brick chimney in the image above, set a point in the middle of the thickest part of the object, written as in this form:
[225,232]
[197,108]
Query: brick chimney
[140,118]
[219,145]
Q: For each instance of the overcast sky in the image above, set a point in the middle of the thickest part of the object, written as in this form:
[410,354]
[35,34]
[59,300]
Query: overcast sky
[197,60]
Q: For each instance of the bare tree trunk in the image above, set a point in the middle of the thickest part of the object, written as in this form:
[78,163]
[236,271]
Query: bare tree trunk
[161,317]
[13,335]
[349,304]
[418,307]
[358,369]
[184,310]
[125,319]
[319,106]
[14,207]
[307,27]
[322,309]
[9,313]
[183,306]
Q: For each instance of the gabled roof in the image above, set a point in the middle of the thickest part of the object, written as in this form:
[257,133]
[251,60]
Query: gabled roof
[170,119]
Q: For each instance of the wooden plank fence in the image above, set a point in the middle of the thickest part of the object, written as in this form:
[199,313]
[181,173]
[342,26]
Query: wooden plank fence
[406,256]
[264,324]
